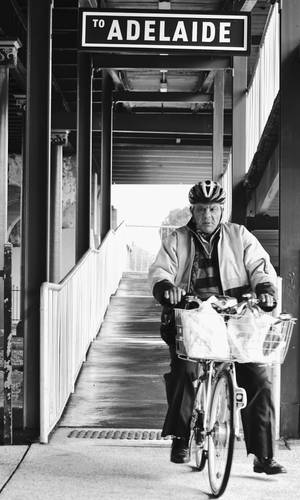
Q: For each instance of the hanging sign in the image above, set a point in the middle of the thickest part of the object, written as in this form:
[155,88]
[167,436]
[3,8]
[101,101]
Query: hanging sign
[171,31]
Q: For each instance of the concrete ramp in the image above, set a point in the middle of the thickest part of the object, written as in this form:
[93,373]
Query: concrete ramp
[121,383]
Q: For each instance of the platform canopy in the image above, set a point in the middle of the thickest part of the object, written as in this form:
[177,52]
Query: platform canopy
[153,91]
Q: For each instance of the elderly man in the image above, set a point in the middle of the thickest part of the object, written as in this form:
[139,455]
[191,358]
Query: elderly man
[209,257]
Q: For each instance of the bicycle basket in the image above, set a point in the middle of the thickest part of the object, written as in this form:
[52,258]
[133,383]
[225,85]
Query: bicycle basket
[201,333]
[259,337]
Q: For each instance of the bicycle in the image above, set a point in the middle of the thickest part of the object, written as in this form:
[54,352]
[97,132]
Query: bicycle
[218,398]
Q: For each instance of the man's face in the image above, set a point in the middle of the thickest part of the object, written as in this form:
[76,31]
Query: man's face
[207,216]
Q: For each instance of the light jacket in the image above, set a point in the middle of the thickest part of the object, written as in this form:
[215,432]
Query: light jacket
[243,263]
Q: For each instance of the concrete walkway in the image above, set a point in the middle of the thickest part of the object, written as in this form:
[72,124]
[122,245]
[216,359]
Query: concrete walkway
[90,469]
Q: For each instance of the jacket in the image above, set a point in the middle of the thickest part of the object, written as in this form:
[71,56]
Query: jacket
[244,266]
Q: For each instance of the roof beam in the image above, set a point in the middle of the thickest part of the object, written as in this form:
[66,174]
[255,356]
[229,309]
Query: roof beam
[201,123]
[161,97]
[119,61]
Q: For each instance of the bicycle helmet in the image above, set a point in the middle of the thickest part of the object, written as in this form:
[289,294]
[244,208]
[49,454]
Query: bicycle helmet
[207,192]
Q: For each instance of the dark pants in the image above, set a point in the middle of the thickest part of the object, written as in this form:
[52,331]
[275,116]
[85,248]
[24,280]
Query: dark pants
[257,417]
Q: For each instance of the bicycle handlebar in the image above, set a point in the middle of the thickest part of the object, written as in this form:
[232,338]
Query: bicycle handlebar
[227,304]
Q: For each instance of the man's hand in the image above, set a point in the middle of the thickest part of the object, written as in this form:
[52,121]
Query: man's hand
[267,301]
[174,295]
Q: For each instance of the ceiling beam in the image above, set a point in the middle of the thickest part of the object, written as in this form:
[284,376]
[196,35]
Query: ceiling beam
[201,123]
[161,97]
[120,61]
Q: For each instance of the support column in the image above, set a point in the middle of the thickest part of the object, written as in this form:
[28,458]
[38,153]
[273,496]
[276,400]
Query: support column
[4,76]
[106,153]
[58,140]
[290,208]
[239,138]
[36,185]
[84,155]
[8,59]
[218,126]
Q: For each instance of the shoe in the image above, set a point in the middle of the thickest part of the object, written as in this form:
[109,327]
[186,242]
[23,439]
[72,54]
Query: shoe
[268,466]
[180,451]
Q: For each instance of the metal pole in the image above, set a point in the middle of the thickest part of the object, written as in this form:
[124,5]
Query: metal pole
[239,138]
[218,128]
[4,73]
[36,186]
[59,139]
[106,153]
[84,137]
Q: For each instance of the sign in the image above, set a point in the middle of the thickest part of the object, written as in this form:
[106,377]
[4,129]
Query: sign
[227,33]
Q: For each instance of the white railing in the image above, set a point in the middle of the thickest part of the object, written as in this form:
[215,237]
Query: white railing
[71,315]
[264,85]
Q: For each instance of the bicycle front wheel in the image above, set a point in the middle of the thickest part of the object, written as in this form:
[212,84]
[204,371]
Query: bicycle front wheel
[221,433]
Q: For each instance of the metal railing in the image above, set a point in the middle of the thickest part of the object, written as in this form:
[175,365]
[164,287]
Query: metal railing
[71,315]
[264,85]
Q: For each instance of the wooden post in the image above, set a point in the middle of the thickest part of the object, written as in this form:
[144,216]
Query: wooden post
[106,154]
[36,185]
[218,126]
[239,138]
[290,208]
[84,156]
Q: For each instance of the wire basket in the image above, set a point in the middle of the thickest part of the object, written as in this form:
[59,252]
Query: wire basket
[252,338]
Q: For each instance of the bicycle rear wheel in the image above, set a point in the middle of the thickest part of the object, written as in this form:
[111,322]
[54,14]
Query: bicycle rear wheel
[197,440]
[221,433]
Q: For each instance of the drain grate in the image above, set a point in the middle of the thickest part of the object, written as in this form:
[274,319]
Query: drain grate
[133,434]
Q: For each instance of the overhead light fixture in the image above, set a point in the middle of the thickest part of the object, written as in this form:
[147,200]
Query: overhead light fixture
[163,81]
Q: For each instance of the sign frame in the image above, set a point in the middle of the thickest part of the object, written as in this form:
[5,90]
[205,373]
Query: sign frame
[157,47]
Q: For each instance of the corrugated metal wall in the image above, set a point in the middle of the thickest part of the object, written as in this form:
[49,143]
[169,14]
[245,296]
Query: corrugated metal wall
[162,164]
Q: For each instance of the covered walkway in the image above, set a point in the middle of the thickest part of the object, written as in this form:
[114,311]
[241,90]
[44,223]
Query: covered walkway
[121,383]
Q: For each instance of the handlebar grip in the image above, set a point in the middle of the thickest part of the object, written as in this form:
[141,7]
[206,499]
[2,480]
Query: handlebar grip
[266,308]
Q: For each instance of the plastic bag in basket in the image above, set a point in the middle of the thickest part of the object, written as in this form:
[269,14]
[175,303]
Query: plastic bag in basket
[247,335]
[204,333]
